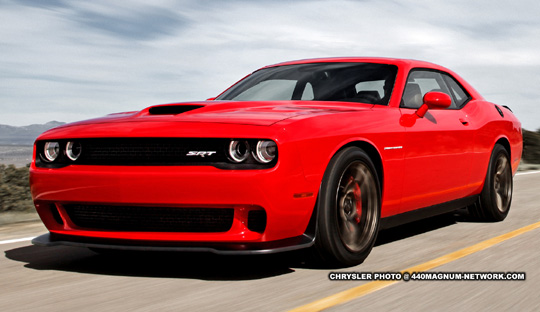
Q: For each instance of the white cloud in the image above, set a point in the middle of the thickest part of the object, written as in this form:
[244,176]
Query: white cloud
[80,59]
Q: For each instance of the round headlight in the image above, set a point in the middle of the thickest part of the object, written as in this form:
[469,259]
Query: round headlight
[51,151]
[238,150]
[73,150]
[265,151]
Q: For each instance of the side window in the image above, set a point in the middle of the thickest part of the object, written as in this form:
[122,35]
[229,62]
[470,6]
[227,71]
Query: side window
[421,82]
[458,94]
[370,91]
[308,95]
[377,85]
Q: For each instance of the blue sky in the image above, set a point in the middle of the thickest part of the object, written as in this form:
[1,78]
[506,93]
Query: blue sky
[71,60]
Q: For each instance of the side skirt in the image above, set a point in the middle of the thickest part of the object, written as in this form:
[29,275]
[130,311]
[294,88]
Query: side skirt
[427,212]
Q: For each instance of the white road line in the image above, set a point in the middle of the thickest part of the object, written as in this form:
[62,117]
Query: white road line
[527,172]
[9,241]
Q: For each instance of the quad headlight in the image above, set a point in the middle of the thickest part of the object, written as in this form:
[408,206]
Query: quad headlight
[60,152]
[265,151]
[73,150]
[261,151]
[239,150]
[51,151]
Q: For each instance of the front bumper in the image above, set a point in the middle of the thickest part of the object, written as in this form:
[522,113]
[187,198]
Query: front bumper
[282,192]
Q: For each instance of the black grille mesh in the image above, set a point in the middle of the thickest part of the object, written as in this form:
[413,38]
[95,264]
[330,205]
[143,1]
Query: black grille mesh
[151,219]
[155,151]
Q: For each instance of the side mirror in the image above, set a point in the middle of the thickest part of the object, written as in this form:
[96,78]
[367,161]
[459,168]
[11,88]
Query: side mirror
[434,100]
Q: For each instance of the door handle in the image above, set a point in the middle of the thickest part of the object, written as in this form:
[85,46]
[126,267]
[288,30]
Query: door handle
[464,121]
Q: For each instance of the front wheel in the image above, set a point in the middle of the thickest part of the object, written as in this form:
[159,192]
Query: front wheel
[349,209]
[496,197]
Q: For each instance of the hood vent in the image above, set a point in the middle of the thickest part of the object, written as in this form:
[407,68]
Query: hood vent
[172,109]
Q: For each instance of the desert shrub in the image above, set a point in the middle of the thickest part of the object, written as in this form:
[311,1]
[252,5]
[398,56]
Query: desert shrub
[14,189]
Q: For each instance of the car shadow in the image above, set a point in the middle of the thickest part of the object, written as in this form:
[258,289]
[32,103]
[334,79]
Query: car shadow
[418,227]
[202,266]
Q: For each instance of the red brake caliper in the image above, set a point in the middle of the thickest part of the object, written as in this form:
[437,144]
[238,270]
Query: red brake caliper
[358,198]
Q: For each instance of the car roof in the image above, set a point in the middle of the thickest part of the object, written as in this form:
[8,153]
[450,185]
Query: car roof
[381,60]
[404,64]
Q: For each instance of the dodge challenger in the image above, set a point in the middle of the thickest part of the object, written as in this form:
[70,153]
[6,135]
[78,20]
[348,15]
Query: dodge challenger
[319,153]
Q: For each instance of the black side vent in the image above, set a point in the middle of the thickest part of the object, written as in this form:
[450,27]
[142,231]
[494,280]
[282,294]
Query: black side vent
[56,215]
[172,109]
[499,110]
[257,220]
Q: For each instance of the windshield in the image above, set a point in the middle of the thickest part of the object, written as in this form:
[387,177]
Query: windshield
[350,82]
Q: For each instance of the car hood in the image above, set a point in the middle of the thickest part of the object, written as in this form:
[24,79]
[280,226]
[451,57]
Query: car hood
[229,112]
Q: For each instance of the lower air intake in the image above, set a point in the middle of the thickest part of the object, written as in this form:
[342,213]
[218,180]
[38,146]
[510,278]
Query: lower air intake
[150,219]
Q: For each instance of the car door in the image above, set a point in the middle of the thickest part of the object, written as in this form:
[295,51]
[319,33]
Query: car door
[438,147]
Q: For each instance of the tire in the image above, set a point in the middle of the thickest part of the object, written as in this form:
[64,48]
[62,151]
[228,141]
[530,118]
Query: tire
[349,209]
[496,197]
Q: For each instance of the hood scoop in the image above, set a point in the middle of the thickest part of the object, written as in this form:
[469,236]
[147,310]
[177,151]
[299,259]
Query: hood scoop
[172,109]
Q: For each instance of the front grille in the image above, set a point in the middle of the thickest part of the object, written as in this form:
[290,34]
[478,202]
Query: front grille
[151,151]
[150,219]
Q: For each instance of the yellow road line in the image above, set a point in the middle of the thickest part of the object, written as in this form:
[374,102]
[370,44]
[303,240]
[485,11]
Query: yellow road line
[370,287]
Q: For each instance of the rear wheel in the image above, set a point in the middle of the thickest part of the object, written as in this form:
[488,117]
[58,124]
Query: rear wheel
[349,209]
[496,197]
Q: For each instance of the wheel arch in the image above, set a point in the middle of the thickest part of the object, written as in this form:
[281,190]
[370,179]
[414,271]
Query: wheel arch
[373,154]
[375,157]
[506,144]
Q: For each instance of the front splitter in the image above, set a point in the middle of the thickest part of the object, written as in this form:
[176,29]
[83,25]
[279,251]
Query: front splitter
[284,245]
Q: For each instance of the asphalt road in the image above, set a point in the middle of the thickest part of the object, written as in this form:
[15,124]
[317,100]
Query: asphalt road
[66,278]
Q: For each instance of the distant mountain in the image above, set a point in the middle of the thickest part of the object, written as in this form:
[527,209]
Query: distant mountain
[26,135]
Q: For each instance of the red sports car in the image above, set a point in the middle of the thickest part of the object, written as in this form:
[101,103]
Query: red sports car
[319,153]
